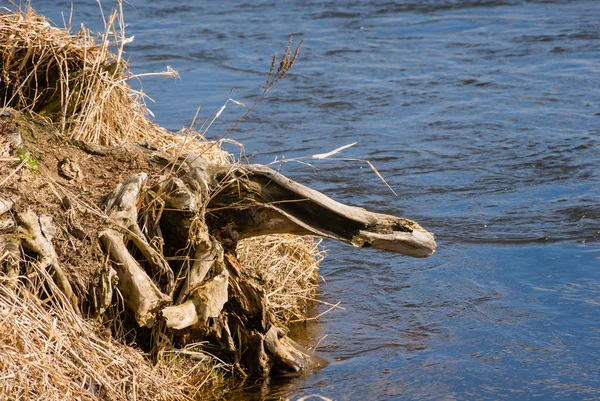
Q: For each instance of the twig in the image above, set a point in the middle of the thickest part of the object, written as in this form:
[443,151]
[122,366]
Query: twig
[318,316]
[25,159]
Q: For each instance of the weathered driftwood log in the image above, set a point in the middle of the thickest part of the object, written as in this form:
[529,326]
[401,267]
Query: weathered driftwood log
[205,210]
[258,201]
[255,200]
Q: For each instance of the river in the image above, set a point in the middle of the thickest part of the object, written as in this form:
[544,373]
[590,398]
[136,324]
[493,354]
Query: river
[484,117]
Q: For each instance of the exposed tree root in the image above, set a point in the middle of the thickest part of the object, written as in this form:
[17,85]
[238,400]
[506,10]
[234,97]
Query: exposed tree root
[36,233]
[211,297]
[141,295]
[202,303]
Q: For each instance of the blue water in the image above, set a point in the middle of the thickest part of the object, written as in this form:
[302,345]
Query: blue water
[484,116]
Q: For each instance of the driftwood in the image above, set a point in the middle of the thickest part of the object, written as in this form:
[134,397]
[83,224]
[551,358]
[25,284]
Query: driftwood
[170,242]
[290,356]
[204,302]
[274,204]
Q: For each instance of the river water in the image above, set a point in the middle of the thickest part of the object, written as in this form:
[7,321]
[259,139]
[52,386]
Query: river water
[483,115]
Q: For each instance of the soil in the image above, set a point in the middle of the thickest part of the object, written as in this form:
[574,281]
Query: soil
[69,181]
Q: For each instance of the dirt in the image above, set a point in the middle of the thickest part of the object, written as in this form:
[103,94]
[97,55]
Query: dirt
[68,181]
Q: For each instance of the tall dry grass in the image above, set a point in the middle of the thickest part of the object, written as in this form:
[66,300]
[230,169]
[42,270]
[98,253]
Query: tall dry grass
[80,81]
[49,352]
[76,79]
[287,267]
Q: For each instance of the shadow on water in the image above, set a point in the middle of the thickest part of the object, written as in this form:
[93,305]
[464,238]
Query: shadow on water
[483,115]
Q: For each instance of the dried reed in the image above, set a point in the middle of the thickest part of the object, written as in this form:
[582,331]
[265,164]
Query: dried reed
[49,352]
[286,266]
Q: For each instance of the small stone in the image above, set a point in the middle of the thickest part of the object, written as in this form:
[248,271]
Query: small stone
[69,169]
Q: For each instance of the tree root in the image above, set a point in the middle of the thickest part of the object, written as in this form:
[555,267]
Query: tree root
[170,245]
[212,297]
[141,295]
[36,234]
[288,356]
[122,209]
[202,303]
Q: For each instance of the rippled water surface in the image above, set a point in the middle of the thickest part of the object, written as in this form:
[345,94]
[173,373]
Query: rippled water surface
[484,116]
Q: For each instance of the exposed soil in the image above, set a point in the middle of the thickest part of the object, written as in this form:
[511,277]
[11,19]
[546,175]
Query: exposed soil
[69,180]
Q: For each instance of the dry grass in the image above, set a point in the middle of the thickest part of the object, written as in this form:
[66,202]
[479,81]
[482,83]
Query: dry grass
[286,266]
[49,352]
[80,81]
[70,78]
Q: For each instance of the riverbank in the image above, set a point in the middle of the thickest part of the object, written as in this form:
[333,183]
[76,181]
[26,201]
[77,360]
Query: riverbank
[82,278]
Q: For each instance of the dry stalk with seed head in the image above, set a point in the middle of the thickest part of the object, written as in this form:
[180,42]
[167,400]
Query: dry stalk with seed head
[286,63]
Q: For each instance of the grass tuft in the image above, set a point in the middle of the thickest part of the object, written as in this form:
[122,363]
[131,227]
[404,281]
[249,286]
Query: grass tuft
[49,352]
[287,267]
